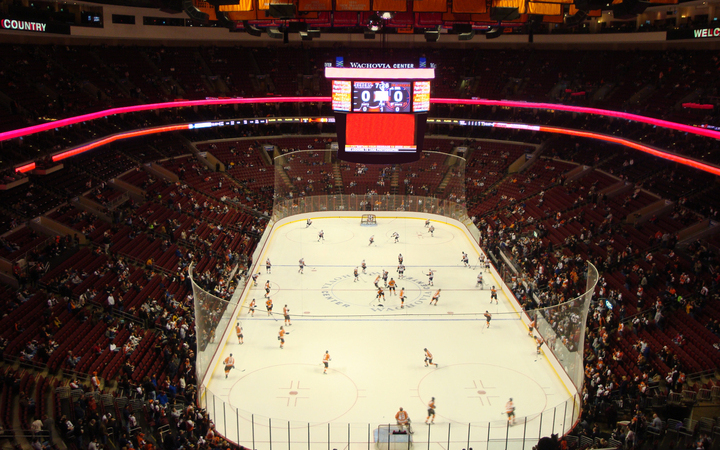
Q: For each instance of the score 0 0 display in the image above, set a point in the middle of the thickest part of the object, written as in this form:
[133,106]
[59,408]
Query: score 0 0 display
[381,96]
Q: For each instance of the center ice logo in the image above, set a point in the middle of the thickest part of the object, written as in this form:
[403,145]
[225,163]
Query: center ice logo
[361,294]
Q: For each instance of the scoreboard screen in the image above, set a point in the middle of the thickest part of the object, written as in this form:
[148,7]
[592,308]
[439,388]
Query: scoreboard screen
[421,96]
[381,96]
[341,94]
[379,133]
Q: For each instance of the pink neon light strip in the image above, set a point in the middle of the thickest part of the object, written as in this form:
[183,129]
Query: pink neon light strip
[643,148]
[231,101]
[25,168]
[117,137]
[150,107]
[582,110]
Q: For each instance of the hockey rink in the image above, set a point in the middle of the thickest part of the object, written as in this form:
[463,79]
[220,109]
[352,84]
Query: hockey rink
[281,397]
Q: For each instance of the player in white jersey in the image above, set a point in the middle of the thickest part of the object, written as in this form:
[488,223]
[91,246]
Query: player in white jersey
[321,236]
[372,240]
[396,236]
[268,266]
[401,271]
[479,281]
[431,230]
[356,274]
[400,258]
[427,223]
[308,223]
[364,266]
[255,278]
[385,277]
[301,263]
[430,276]
[464,259]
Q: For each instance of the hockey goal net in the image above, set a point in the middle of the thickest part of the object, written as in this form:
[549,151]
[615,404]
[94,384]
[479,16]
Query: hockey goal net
[368,219]
[390,437]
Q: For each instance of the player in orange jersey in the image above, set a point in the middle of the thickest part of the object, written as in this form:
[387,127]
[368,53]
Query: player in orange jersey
[356,275]
[281,337]
[269,306]
[488,316]
[510,411]
[380,293]
[267,288]
[403,420]
[229,364]
[377,280]
[429,358]
[402,297]
[493,294]
[435,297]
[326,360]
[431,412]
[252,307]
[286,315]
[391,286]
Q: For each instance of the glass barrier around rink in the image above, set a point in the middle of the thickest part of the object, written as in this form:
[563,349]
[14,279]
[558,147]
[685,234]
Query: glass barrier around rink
[307,181]
[265,433]
[562,328]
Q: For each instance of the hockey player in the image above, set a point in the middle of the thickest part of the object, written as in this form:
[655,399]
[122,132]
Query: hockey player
[281,337]
[479,281]
[269,306]
[301,263]
[385,277]
[464,259]
[229,364]
[364,266]
[380,294]
[401,271]
[396,236]
[326,360]
[286,315]
[431,230]
[321,236]
[403,420]
[372,240]
[239,331]
[400,258]
[356,274]
[493,295]
[267,288]
[431,412]
[308,223]
[268,266]
[402,297]
[488,317]
[391,285]
[252,308]
[377,281]
[429,358]
[510,411]
[430,275]
[435,297]
[255,278]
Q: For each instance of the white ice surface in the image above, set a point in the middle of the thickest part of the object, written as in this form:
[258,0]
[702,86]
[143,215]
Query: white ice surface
[377,352]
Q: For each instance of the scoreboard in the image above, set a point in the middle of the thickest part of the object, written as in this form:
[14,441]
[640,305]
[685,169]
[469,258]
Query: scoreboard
[381,96]
[380,113]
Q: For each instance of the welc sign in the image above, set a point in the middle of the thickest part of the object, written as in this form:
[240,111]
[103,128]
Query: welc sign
[700,33]
[22,25]
[707,33]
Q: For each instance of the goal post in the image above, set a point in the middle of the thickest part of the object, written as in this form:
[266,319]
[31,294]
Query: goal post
[390,437]
[368,219]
